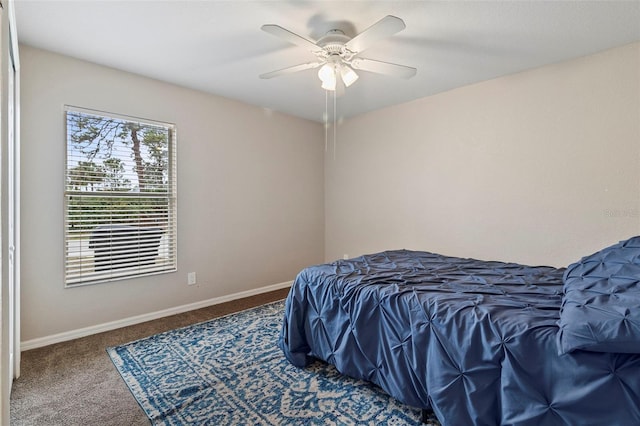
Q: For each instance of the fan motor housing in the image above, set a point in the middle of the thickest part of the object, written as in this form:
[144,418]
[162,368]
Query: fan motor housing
[333,42]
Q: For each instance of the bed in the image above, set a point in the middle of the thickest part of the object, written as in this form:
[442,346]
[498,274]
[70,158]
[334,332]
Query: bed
[479,342]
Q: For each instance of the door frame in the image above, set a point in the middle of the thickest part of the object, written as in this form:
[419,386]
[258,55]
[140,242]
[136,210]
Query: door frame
[9,206]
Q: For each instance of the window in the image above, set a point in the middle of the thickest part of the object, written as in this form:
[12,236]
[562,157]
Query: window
[120,197]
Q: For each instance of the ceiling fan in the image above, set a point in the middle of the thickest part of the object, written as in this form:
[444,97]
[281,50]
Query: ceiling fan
[337,53]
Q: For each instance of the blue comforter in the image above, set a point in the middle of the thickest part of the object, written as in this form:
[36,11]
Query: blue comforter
[474,341]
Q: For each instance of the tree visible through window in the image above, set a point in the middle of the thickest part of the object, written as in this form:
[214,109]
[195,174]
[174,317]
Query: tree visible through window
[120,197]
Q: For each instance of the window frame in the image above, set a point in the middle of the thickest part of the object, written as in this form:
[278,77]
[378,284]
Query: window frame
[125,273]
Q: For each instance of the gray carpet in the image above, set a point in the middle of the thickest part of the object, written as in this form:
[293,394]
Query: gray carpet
[75,383]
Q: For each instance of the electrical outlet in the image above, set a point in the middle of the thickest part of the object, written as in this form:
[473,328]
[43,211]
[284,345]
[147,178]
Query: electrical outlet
[191,278]
[345,256]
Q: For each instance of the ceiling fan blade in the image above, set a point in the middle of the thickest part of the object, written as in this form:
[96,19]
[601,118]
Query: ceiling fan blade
[386,68]
[292,38]
[386,27]
[290,70]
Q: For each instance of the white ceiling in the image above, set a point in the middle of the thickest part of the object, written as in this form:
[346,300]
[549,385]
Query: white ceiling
[218,47]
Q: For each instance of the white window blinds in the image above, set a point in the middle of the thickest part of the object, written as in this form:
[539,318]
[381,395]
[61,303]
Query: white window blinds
[120,197]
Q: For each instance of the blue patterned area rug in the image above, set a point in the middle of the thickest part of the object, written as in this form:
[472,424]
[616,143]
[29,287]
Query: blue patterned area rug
[230,371]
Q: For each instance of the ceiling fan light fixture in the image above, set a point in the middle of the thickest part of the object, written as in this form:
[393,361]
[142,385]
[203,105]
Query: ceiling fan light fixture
[327,74]
[337,54]
[348,75]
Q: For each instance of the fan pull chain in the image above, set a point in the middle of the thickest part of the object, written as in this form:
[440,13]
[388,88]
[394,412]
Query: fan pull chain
[326,120]
[335,114]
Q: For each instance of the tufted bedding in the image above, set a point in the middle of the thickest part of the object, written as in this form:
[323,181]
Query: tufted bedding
[477,342]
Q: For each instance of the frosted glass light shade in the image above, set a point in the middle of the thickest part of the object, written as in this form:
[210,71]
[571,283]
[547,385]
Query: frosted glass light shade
[327,74]
[348,75]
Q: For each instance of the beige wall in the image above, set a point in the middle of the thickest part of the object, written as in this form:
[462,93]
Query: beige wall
[250,194]
[541,167]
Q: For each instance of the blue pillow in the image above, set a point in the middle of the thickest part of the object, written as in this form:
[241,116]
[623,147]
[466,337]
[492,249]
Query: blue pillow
[601,303]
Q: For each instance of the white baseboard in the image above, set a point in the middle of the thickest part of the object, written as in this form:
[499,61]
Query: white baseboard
[94,329]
